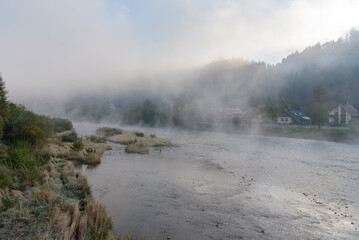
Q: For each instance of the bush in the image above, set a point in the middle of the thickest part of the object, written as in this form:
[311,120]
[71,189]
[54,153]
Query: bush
[91,150]
[96,139]
[24,125]
[61,125]
[71,137]
[139,134]
[18,155]
[77,146]
[107,132]
[34,135]
[26,166]
[5,177]
[29,175]
[8,202]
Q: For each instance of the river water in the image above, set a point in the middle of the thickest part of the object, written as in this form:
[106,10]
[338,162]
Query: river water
[214,185]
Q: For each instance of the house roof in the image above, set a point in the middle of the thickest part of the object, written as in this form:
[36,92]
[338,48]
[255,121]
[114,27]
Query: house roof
[298,115]
[350,109]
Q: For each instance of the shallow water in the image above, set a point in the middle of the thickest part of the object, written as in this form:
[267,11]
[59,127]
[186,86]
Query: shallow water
[228,186]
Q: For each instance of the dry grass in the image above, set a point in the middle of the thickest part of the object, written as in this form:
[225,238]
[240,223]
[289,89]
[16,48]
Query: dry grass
[137,147]
[42,195]
[94,222]
[127,137]
[58,149]
[55,210]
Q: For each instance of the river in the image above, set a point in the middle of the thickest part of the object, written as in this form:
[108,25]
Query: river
[214,185]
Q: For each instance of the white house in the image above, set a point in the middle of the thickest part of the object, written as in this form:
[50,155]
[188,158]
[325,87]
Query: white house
[341,114]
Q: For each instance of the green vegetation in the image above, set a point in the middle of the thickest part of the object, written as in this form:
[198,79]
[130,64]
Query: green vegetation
[319,105]
[71,137]
[139,134]
[77,146]
[147,113]
[107,132]
[43,197]
[61,125]
[325,134]
[24,125]
[97,139]
[272,108]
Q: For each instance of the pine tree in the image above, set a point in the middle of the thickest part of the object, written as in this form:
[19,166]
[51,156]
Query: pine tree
[319,104]
[4,107]
[4,103]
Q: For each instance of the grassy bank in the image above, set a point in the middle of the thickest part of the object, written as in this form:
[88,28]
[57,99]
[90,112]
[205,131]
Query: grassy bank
[344,135]
[45,198]
[41,195]
[67,145]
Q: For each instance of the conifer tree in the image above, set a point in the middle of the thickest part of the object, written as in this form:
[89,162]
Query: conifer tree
[4,103]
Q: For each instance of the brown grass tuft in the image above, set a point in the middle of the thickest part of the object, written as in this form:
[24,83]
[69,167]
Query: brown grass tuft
[43,195]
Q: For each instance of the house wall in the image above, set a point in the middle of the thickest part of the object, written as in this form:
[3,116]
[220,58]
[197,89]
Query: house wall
[334,115]
[285,120]
[348,118]
[339,116]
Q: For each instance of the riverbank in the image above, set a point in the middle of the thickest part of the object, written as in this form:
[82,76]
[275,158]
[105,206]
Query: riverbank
[333,134]
[46,198]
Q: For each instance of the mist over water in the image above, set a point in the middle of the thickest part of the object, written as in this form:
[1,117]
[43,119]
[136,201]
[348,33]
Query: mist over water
[229,67]
[214,185]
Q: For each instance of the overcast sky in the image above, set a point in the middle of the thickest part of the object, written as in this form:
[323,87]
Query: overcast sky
[48,46]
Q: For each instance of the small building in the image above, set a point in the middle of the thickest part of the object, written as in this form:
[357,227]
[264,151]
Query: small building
[293,116]
[341,114]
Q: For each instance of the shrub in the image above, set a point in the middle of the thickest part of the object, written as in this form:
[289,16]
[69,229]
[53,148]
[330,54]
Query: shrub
[24,125]
[107,132]
[5,177]
[91,150]
[61,125]
[139,134]
[46,155]
[77,146]
[28,176]
[22,159]
[71,137]
[19,155]
[8,202]
[3,152]
[97,139]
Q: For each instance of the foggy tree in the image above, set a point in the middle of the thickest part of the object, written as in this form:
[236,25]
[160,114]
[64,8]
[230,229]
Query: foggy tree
[4,103]
[244,84]
[273,108]
[149,112]
[4,106]
[319,105]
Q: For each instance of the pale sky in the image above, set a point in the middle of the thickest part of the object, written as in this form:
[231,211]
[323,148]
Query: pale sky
[48,46]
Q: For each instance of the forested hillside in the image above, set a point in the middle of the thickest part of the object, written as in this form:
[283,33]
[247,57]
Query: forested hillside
[236,83]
